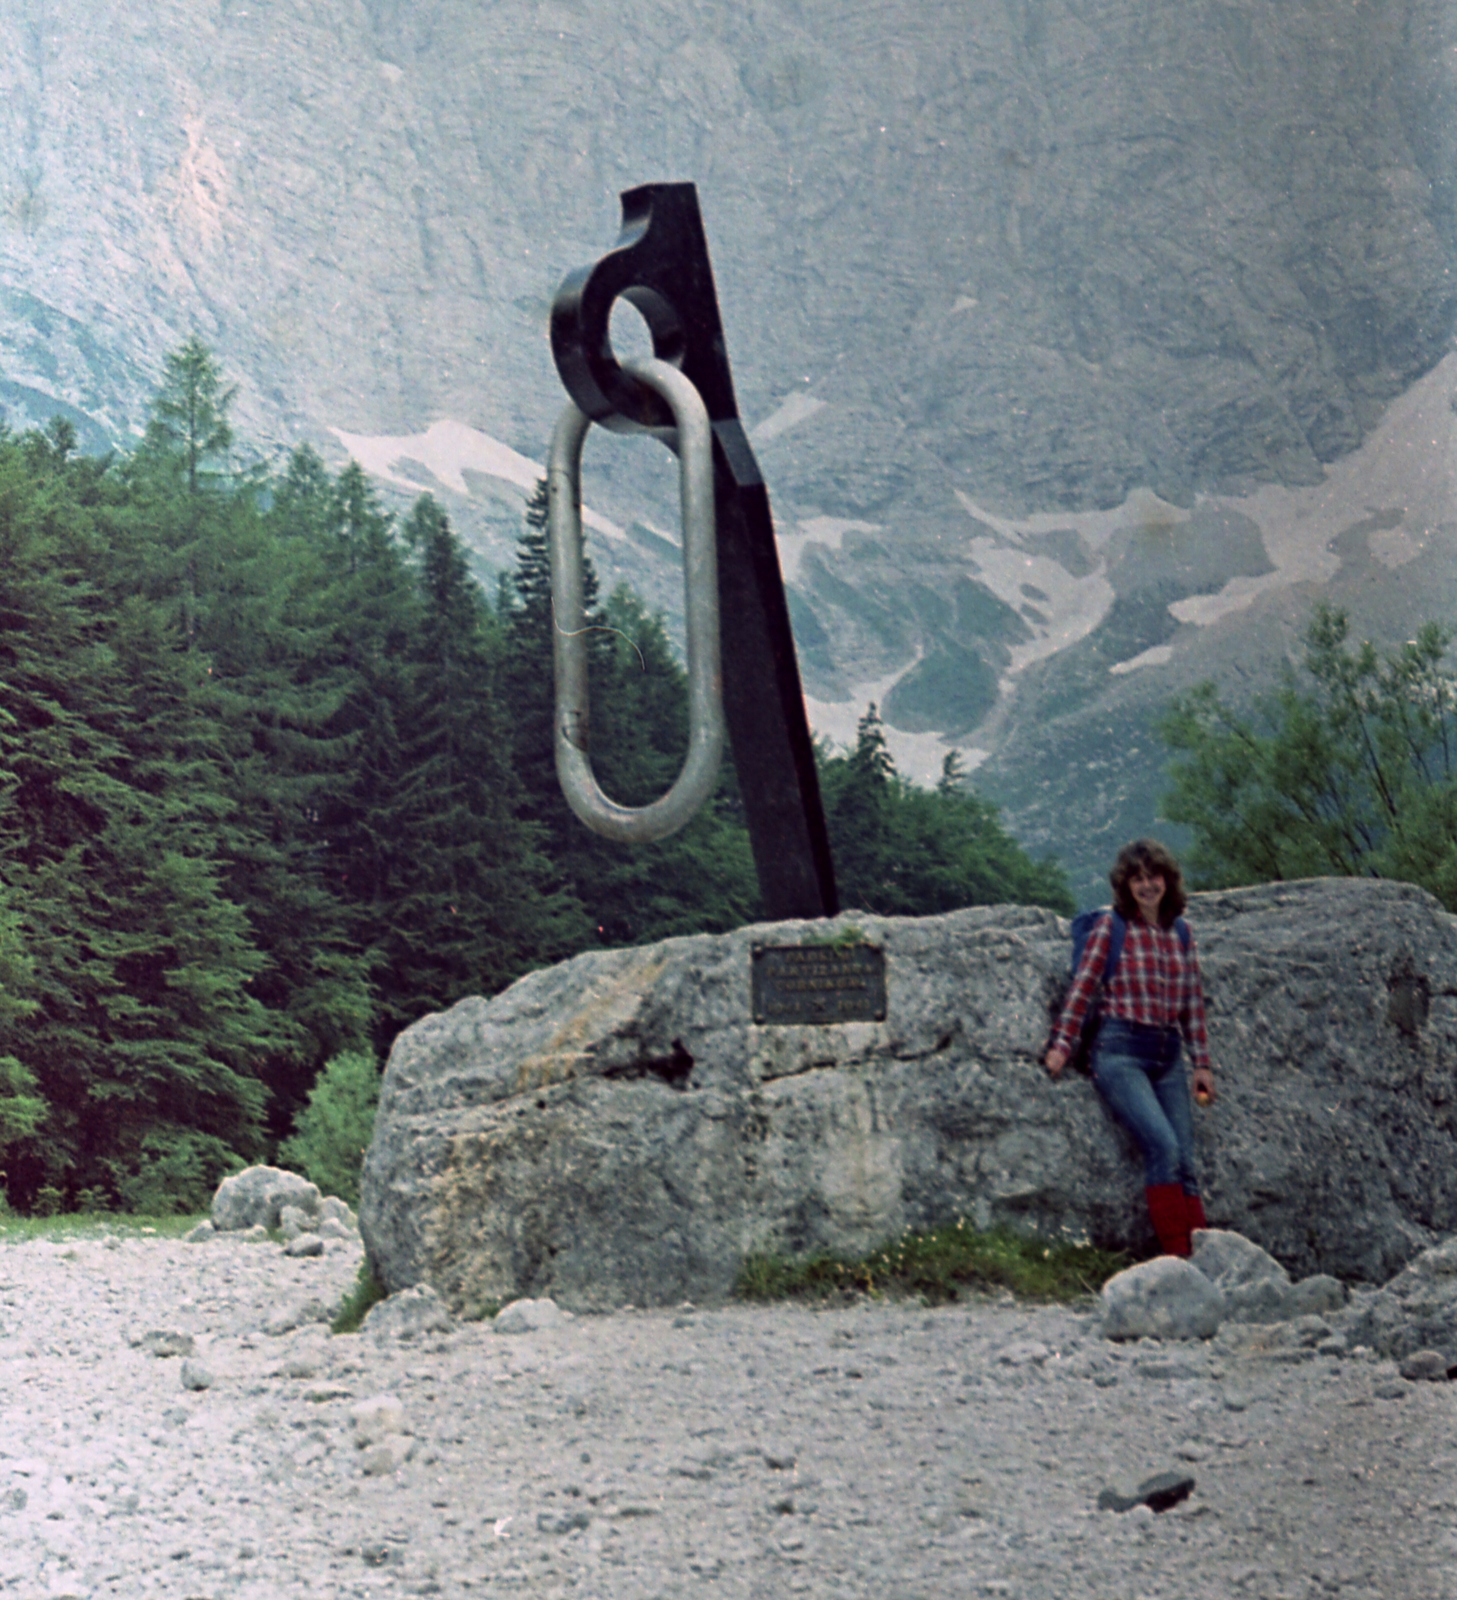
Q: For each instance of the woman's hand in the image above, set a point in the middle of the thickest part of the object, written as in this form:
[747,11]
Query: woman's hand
[1055,1060]
[1203,1086]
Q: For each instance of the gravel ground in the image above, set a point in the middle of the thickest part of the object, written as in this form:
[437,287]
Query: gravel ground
[881,1451]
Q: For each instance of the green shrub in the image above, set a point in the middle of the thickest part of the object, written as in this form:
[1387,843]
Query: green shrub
[334,1129]
[175,1172]
[367,1291]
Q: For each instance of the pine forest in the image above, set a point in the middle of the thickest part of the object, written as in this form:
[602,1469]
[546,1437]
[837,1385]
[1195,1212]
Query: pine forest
[276,779]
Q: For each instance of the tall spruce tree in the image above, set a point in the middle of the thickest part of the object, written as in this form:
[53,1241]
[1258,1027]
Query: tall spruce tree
[276,693]
[22,1108]
[144,1033]
[466,909]
[254,610]
[189,423]
[371,599]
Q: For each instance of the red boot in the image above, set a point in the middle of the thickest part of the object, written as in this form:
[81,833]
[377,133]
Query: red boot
[1167,1211]
[1194,1211]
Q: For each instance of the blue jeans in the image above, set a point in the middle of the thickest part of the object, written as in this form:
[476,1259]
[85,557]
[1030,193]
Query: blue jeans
[1141,1077]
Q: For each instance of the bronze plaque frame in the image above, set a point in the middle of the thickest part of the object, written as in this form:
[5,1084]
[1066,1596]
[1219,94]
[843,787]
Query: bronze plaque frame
[817,983]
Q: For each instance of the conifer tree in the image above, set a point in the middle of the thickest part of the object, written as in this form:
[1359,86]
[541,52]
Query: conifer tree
[144,1033]
[371,597]
[275,694]
[466,911]
[254,609]
[22,1109]
[190,415]
[905,851]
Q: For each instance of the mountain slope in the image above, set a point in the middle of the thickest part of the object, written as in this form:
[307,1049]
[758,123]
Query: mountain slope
[982,268]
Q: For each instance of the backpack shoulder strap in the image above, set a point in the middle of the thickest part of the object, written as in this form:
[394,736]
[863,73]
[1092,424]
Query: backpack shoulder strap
[1185,935]
[1116,932]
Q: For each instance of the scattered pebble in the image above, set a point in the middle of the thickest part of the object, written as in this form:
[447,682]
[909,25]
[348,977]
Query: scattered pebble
[166,1342]
[526,1316]
[1426,1365]
[376,1418]
[1162,1492]
[748,1450]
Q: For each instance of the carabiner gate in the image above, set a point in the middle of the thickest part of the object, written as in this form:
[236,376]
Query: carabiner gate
[699,773]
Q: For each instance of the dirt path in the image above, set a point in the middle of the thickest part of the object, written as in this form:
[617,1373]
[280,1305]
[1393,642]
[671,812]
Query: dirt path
[879,1452]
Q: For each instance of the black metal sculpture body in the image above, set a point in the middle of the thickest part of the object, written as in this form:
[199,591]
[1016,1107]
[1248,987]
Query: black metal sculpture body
[660,265]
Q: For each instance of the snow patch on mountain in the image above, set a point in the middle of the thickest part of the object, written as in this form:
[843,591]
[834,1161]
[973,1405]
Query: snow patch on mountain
[1395,494]
[917,756]
[448,450]
[796,409]
[1158,656]
[1068,605]
[1404,475]
[827,533]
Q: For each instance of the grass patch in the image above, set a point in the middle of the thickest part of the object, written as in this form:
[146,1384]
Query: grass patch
[935,1266]
[93,1225]
[367,1291]
[846,939]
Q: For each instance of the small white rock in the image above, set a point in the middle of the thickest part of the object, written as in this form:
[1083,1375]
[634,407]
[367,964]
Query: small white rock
[412,1311]
[333,1209]
[526,1316]
[387,1456]
[1166,1298]
[294,1220]
[377,1418]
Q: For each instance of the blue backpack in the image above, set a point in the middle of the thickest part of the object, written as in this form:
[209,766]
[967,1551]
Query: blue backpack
[1083,925]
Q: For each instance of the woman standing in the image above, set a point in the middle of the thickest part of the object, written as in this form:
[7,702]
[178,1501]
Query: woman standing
[1153,998]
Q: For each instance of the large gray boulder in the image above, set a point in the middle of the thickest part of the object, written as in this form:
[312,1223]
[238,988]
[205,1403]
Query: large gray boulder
[1165,1298]
[258,1197]
[618,1128]
[1416,1311]
[1256,1288]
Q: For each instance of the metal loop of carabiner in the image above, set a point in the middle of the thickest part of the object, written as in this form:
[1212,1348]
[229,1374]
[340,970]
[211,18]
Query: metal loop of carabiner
[699,773]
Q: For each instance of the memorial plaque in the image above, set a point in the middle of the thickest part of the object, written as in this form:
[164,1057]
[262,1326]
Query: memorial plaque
[818,983]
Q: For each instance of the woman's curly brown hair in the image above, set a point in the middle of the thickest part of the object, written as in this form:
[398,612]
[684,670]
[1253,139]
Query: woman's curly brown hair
[1151,856]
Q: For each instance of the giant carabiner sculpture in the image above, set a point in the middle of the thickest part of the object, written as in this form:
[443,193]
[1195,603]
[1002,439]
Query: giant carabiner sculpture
[660,265]
[699,773]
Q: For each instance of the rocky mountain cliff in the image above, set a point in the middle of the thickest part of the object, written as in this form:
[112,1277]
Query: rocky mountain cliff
[1054,320]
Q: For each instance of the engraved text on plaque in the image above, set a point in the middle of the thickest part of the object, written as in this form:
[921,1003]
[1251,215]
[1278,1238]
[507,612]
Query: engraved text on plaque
[818,983]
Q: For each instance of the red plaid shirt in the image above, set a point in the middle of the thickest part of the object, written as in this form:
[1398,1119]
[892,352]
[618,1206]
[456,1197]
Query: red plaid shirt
[1157,983]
